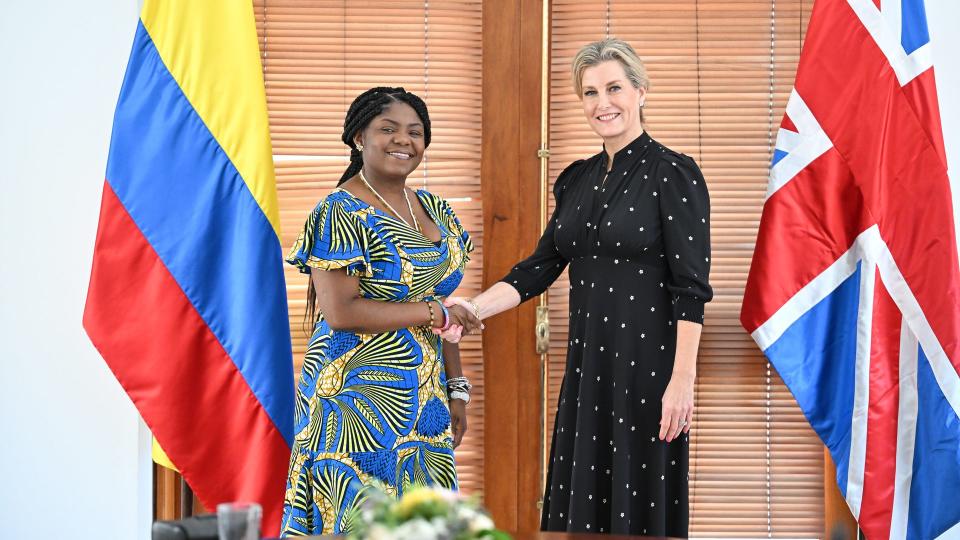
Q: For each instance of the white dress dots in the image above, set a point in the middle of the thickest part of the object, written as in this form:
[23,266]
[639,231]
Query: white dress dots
[626,480]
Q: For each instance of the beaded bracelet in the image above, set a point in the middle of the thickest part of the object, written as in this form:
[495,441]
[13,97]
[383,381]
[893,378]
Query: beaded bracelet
[432,318]
[446,316]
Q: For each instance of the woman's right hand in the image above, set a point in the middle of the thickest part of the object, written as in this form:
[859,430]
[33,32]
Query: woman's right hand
[463,318]
[455,331]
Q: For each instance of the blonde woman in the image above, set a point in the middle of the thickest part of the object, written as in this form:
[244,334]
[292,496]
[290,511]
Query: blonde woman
[632,223]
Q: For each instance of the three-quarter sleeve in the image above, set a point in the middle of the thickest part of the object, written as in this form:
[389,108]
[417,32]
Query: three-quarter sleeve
[685,223]
[533,275]
[332,238]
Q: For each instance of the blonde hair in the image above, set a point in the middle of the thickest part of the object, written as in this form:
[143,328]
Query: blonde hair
[604,50]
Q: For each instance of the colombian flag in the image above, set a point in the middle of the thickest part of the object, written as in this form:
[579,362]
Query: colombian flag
[187,301]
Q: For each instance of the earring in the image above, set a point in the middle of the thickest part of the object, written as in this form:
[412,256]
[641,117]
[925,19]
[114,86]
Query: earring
[359,148]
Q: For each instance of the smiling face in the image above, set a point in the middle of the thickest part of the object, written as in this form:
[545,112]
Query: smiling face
[393,142]
[611,104]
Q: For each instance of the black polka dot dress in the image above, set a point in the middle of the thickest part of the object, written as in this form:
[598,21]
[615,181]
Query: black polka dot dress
[637,242]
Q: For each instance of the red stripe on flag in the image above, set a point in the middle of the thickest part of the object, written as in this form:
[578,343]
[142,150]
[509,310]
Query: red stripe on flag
[788,124]
[921,92]
[808,224]
[860,105]
[879,474]
[184,384]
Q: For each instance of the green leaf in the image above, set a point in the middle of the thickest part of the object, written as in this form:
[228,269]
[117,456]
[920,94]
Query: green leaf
[368,413]
[331,430]
[379,376]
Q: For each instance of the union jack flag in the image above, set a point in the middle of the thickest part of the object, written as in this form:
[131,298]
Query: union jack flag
[854,289]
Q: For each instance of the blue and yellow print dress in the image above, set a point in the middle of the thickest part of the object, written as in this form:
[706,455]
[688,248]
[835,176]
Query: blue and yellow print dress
[372,407]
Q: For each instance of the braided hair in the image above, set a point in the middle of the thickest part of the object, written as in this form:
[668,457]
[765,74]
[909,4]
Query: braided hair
[368,106]
[362,111]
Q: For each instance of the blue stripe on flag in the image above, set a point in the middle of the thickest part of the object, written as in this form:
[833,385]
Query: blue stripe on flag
[914,32]
[816,358]
[193,207]
[777,156]
[936,460]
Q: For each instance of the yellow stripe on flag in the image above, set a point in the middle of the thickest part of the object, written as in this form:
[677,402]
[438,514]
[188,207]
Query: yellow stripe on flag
[160,457]
[204,43]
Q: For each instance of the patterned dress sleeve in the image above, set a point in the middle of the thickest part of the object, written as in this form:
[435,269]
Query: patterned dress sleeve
[685,222]
[332,238]
[533,275]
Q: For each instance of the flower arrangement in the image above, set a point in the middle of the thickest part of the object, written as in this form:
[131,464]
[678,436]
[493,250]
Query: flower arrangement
[423,513]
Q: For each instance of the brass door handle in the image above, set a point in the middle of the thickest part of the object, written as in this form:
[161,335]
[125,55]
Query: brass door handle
[543,329]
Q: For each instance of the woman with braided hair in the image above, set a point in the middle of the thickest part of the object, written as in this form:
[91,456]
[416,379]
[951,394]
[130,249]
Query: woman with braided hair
[378,401]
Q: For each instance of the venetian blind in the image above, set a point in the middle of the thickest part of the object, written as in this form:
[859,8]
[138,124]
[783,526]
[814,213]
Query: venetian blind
[721,72]
[317,57]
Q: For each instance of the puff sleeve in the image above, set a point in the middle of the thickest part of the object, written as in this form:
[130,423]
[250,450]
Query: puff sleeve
[685,224]
[332,238]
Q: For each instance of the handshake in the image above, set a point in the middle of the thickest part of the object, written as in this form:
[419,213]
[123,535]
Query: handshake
[463,319]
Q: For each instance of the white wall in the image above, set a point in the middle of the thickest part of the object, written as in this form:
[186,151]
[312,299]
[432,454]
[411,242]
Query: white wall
[73,456]
[944,15]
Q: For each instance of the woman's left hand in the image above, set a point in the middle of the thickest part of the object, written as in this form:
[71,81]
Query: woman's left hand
[677,407]
[458,420]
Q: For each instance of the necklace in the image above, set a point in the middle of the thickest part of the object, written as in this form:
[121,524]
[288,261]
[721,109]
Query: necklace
[416,224]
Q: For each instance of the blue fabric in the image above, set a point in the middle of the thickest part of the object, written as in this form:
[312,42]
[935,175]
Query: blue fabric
[378,398]
[191,204]
[816,359]
[914,31]
[936,460]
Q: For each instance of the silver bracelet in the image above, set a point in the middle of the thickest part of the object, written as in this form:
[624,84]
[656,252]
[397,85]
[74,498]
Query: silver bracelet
[457,383]
[463,396]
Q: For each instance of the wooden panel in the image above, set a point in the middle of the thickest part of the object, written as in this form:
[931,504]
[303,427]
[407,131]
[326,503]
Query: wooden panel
[510,184]
[172,498]
[166,494]
[530,409]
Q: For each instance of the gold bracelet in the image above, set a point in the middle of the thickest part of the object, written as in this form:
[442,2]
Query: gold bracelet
[476,308]
[432,318]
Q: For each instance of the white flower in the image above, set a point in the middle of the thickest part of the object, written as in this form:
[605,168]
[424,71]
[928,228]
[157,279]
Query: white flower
[415,529]
[465,513]
[480,522]
[441,527]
